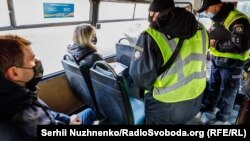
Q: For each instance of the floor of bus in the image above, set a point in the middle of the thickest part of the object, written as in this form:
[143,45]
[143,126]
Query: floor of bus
[195,121]
[232,118]
[234,113]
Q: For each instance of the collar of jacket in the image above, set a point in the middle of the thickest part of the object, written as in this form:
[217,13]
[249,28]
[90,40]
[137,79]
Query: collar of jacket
[14,98]
[79,52]
[223,13]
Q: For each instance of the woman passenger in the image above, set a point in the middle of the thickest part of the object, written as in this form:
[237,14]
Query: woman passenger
[84,48]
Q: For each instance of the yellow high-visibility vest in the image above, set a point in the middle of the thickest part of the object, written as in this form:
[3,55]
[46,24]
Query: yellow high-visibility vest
[233,16]
[186,78]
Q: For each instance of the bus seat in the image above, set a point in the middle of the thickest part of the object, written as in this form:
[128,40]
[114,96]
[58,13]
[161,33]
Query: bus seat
[124,53]
[111,90]
[79,80]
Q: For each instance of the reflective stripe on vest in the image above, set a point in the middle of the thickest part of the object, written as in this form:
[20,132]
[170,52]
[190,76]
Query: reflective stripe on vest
[233,16]
[186,78]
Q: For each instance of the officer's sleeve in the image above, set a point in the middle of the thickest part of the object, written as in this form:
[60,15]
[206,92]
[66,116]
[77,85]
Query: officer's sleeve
[239,40]
[146,62]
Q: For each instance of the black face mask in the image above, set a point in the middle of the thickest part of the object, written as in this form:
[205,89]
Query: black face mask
[38,74]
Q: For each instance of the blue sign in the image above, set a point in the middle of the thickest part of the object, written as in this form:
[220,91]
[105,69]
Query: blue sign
[58,10]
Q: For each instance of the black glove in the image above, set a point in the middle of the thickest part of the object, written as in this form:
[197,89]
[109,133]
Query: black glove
[219,32]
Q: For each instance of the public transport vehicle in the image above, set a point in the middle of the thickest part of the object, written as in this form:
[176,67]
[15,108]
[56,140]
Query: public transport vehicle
[65,87]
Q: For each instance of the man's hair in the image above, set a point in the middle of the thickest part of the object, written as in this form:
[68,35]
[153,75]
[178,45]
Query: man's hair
[11,53]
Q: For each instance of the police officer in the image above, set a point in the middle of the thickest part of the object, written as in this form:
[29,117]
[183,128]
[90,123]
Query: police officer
[173,93]
[229,46]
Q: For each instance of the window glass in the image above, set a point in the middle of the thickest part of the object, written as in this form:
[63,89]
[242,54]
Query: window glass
[111,32]
[141,11]
[244,7]
[115,11]
[4,14]
[48,11]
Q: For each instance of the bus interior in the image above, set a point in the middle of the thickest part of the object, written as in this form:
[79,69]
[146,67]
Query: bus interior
[67,87]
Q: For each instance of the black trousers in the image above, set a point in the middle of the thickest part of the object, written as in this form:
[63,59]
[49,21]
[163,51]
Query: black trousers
[223,86]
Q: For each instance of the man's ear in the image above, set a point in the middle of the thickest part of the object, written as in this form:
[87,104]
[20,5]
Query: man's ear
[12,73]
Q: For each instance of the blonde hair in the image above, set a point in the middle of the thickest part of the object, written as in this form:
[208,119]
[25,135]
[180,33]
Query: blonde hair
[83,35]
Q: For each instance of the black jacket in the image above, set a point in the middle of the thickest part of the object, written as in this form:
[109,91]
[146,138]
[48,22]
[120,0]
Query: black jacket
[176,22]
[21,111]
[84,53]
[229,45]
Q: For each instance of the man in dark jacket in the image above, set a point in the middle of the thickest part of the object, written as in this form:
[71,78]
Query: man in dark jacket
[229,46]
[173,94]
[20,108]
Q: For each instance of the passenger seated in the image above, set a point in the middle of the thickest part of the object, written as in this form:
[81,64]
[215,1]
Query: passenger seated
[84,39]
[20,108]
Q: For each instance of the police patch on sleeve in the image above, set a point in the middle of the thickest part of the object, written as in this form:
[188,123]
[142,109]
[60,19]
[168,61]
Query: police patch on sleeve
[239,29]
[138,52]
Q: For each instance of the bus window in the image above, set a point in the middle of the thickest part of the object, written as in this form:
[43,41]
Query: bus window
[115,11]
[4,14]
[47,11]
[126,18]
[244,7]
[141,11]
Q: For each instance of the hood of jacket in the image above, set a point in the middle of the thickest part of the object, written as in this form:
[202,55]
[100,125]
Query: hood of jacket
[79,52]
[176,23]
[14,98]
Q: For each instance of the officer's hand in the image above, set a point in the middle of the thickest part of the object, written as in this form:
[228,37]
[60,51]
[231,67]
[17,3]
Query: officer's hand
[212,42]
[75,120]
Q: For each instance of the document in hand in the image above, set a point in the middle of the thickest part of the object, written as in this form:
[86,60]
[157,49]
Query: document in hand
[131,39]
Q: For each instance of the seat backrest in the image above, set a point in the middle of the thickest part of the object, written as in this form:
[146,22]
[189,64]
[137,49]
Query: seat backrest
[79,79]
[110,89]
[124,53]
